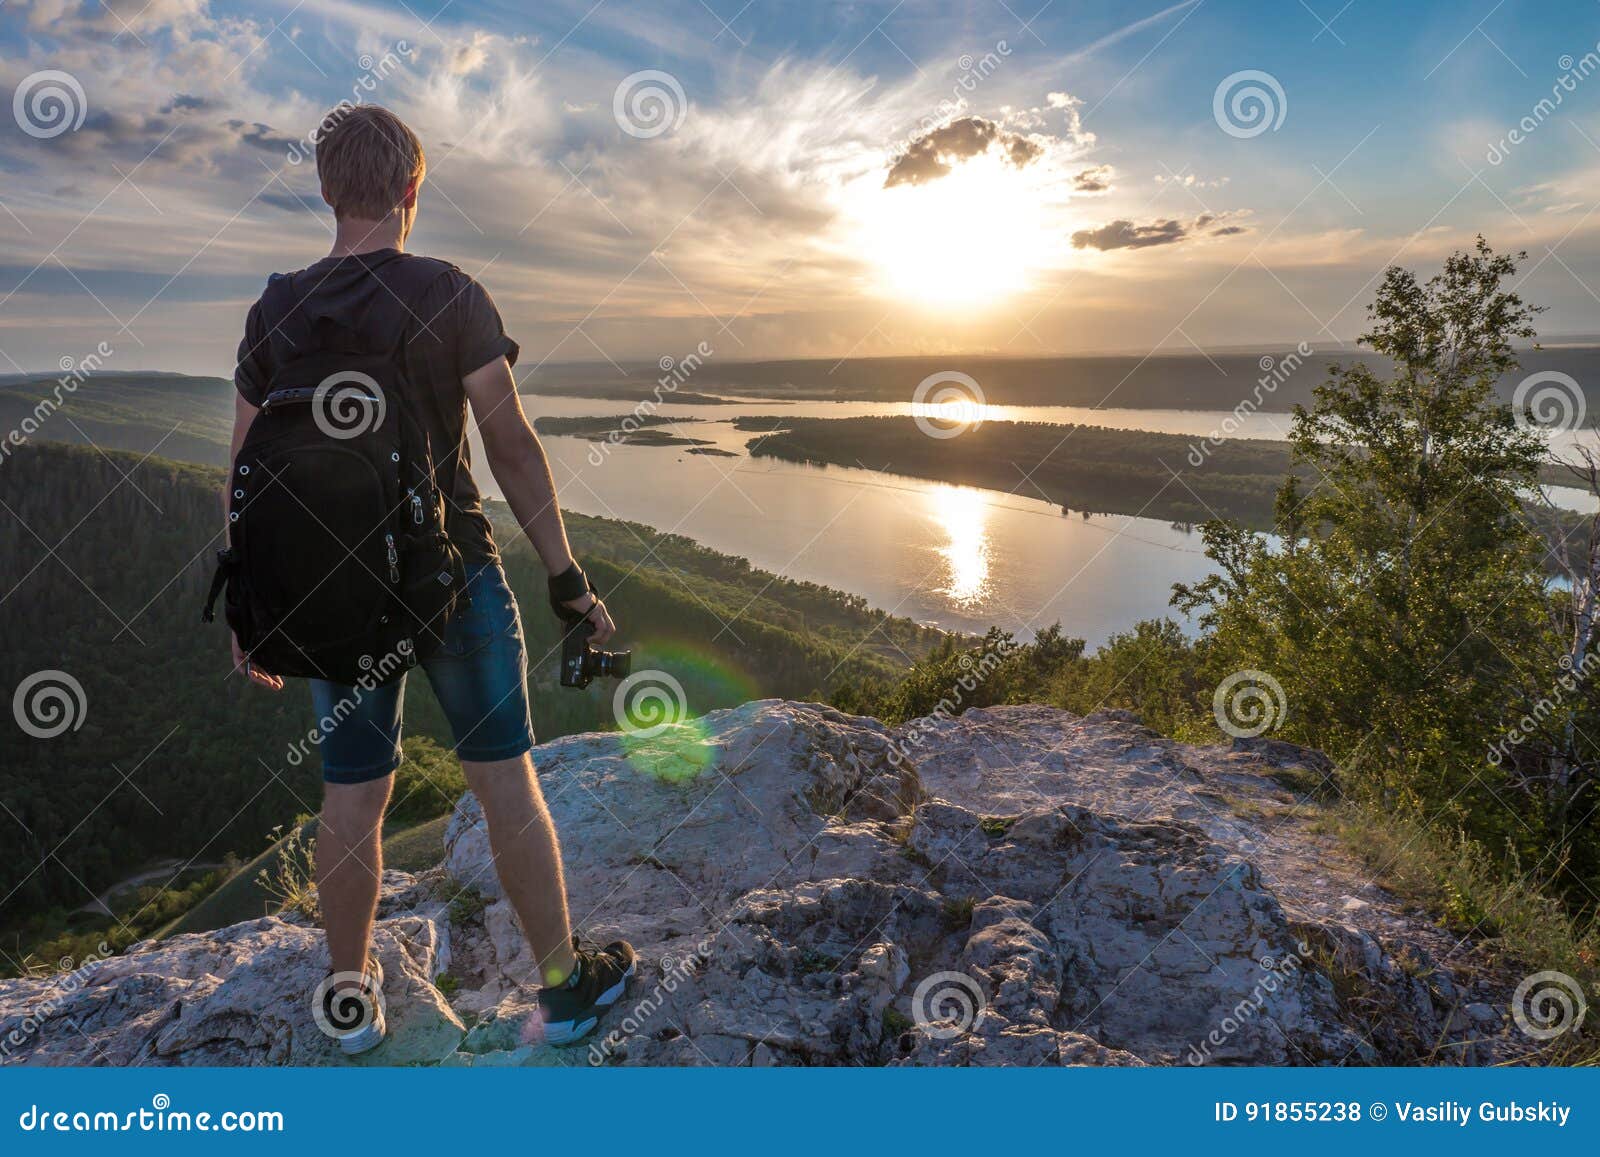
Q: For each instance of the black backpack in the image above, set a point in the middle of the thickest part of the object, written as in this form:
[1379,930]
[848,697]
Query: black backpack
[339,566]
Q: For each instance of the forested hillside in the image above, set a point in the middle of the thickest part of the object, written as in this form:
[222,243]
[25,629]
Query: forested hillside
[104,561]
[184,418]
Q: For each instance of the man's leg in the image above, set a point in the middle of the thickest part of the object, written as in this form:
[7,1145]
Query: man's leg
[479,677]
[527,858]
[350,867]
[360,747]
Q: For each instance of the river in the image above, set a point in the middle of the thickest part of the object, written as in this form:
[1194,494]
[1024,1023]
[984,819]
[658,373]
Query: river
[958,557]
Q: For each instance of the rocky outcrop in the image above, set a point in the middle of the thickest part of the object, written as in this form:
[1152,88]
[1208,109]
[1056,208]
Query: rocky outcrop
[1018,885]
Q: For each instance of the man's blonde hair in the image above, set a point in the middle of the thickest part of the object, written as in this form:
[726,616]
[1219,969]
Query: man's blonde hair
[367,160]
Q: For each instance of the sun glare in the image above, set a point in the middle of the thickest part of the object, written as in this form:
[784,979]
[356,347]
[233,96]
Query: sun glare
[967,238]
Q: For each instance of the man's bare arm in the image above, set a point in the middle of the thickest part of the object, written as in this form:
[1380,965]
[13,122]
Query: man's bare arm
[518,463]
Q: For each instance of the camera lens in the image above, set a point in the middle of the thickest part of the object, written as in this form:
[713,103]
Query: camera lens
[612,664]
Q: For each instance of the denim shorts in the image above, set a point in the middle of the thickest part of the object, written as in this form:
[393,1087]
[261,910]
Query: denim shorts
[478,675]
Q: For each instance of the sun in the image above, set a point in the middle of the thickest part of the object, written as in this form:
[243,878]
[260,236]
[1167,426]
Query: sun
[974,236]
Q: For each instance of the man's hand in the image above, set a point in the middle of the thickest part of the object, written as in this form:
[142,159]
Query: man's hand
[242,665]
[595,611]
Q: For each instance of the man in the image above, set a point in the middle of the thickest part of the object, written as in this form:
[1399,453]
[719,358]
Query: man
[455,351]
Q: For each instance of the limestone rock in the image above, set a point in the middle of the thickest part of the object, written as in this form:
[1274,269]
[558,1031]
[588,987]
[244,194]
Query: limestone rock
[1016,885]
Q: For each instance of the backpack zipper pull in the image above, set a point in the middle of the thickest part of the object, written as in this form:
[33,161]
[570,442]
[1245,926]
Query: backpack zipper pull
[416,508]
[394,558]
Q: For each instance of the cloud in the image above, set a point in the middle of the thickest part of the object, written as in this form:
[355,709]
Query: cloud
[929,156]
[1124,234]
[468,57]
[187,102]
[1093,180]
[260,136]
[1189,181]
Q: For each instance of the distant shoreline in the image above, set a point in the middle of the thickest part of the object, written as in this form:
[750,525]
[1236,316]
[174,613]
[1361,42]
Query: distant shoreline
[1155,381]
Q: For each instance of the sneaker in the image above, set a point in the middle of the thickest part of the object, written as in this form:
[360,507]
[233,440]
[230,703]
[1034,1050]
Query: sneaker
[571,1013]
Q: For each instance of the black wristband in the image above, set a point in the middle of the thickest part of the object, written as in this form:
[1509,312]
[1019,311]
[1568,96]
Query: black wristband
[568,586]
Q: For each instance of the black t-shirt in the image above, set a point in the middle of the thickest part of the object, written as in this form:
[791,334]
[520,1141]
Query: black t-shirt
[453,329]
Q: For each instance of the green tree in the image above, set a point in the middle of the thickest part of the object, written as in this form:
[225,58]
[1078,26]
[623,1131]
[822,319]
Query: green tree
[1406,596]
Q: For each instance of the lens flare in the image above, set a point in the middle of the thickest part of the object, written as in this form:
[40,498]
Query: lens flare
[678,751]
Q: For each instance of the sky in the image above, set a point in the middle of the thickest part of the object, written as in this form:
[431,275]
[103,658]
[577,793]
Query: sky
[631,179]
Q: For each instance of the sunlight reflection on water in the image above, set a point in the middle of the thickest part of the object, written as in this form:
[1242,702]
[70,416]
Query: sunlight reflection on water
[963,516]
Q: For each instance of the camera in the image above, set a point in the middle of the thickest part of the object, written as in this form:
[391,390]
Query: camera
[581,664]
